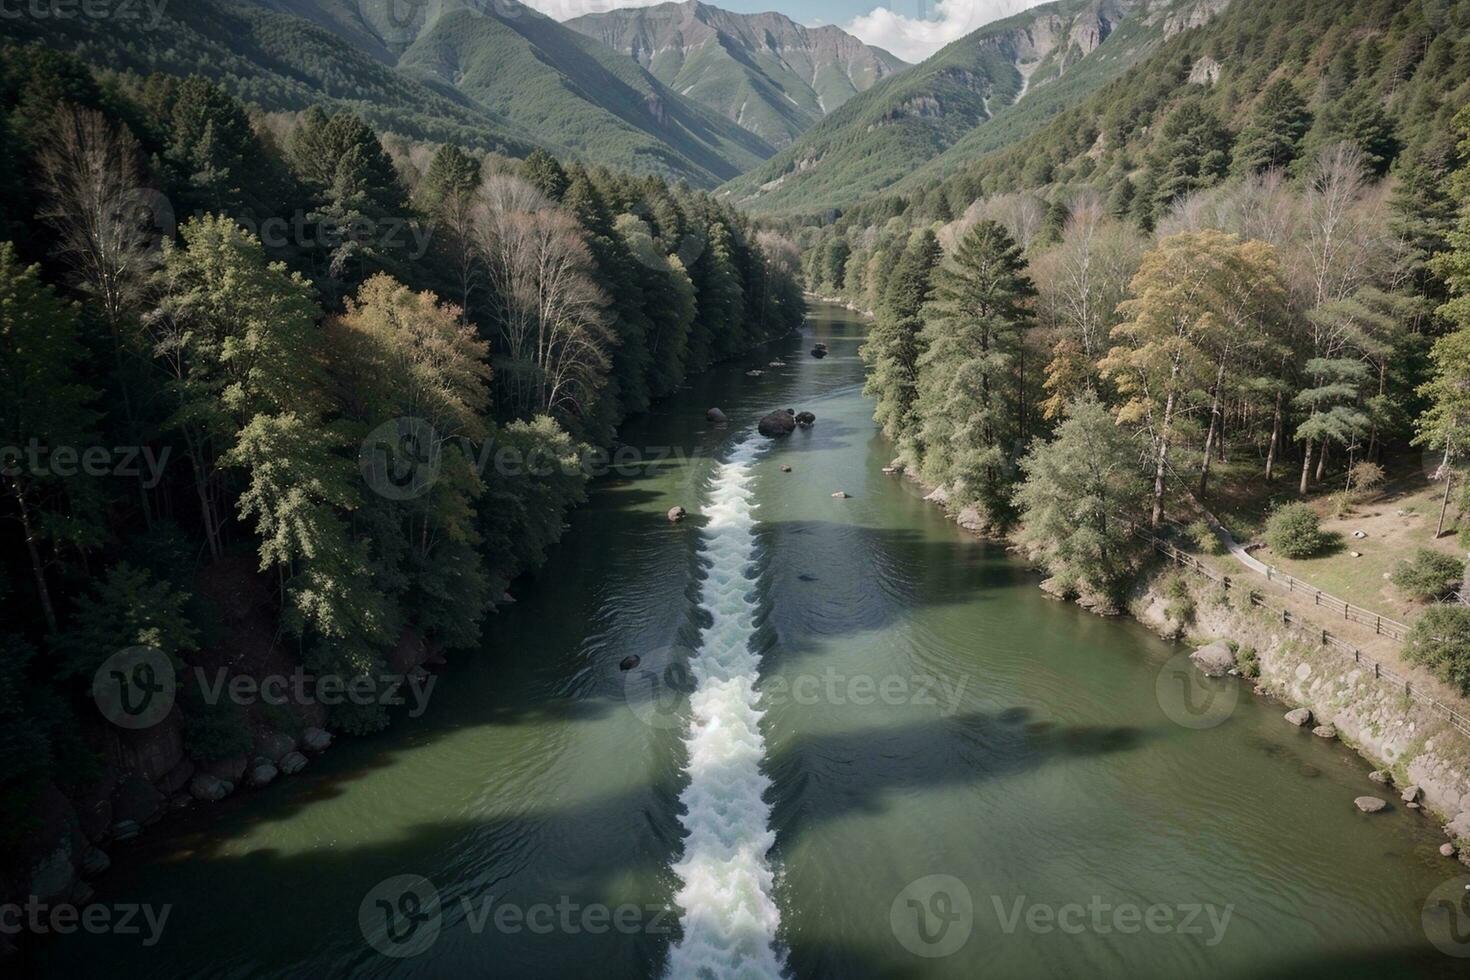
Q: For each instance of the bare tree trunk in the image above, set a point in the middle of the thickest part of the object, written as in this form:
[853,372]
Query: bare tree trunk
[1306,466]
[1275,439]
[1449,478]
[1322,460]
[1160,468]
[1210,436]
[37,569]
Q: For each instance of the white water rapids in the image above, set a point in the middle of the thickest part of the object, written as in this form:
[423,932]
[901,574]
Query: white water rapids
[729,915]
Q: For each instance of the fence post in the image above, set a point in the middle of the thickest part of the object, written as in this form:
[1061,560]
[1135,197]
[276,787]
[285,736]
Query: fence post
[1378,625]
[1324,638]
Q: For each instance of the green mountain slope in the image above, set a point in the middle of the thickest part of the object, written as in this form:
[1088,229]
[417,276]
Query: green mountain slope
[766,72]
[1012,75]
[598,103]
[276,60]
[490,73]
[1387,77]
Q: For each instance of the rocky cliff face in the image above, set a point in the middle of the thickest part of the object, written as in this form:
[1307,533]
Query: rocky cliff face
[766,72]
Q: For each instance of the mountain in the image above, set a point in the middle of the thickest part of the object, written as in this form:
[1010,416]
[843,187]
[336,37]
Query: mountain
[490,73]
[1262,83]
[987,89]
[766,72]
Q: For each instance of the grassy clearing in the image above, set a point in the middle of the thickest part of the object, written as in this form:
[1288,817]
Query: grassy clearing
[1396,521]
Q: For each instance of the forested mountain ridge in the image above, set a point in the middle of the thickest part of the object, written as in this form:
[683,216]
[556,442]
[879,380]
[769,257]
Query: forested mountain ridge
[496,75]
[766,72]
[995,73]
[1261,85]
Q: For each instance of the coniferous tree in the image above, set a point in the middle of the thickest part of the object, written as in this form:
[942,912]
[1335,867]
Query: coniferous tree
[1273,137]
[894,346]
[968,384]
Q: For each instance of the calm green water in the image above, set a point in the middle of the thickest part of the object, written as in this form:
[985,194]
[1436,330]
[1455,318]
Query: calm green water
[925,711]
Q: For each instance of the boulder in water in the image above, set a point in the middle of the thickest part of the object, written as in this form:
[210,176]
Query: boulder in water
[819,352]
[842,495]
[776,425]
[785,468]
[1325,731]
[1214,660]
[1300,717]
[715,415]
[629,662]
[677,514]
[805,419]
[1380,776]
[293,763]
[1369,804]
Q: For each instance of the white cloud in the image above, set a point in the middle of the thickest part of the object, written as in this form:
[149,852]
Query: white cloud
[916,38]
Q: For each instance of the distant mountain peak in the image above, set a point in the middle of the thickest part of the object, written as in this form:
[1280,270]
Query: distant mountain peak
[766,72]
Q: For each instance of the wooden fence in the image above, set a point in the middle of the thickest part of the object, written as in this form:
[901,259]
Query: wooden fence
[1335,643]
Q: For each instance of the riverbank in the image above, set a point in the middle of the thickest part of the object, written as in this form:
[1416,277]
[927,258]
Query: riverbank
[1422,760]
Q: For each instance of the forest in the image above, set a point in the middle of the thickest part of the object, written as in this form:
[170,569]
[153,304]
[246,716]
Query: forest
[1069,358]
[371,373]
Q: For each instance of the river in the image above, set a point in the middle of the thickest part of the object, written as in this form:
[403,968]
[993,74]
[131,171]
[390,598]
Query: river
[860,743]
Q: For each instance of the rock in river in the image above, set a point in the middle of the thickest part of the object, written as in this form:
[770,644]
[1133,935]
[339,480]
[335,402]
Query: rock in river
[714,415]
[776,425]
[1214,660]
[1301,717]
[629,662]
[677,514]
[1369,804]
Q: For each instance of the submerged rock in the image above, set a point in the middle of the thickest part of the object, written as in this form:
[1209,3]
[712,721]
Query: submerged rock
[805,419]
[819,352]
[841,495]
[1325,731]
[629,662]
[1369,804]
[1301,717]
[714,415]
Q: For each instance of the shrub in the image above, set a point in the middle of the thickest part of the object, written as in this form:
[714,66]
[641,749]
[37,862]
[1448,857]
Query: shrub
[1179,604]
[1440,640]
[1293,531]
[1248,662]
[1202,538]
[1364,477]
[1428,575]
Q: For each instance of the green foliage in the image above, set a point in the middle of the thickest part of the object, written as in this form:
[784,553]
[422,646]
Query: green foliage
[1294,531]
[126,608]
[1248,662]
[967,393]
[1178,601]
[1203,538]
[1081,492]
[1428,575]
[1273,137]
[1440,641]
[895,344]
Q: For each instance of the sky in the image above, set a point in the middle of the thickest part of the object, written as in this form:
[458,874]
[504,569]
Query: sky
[911,29]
